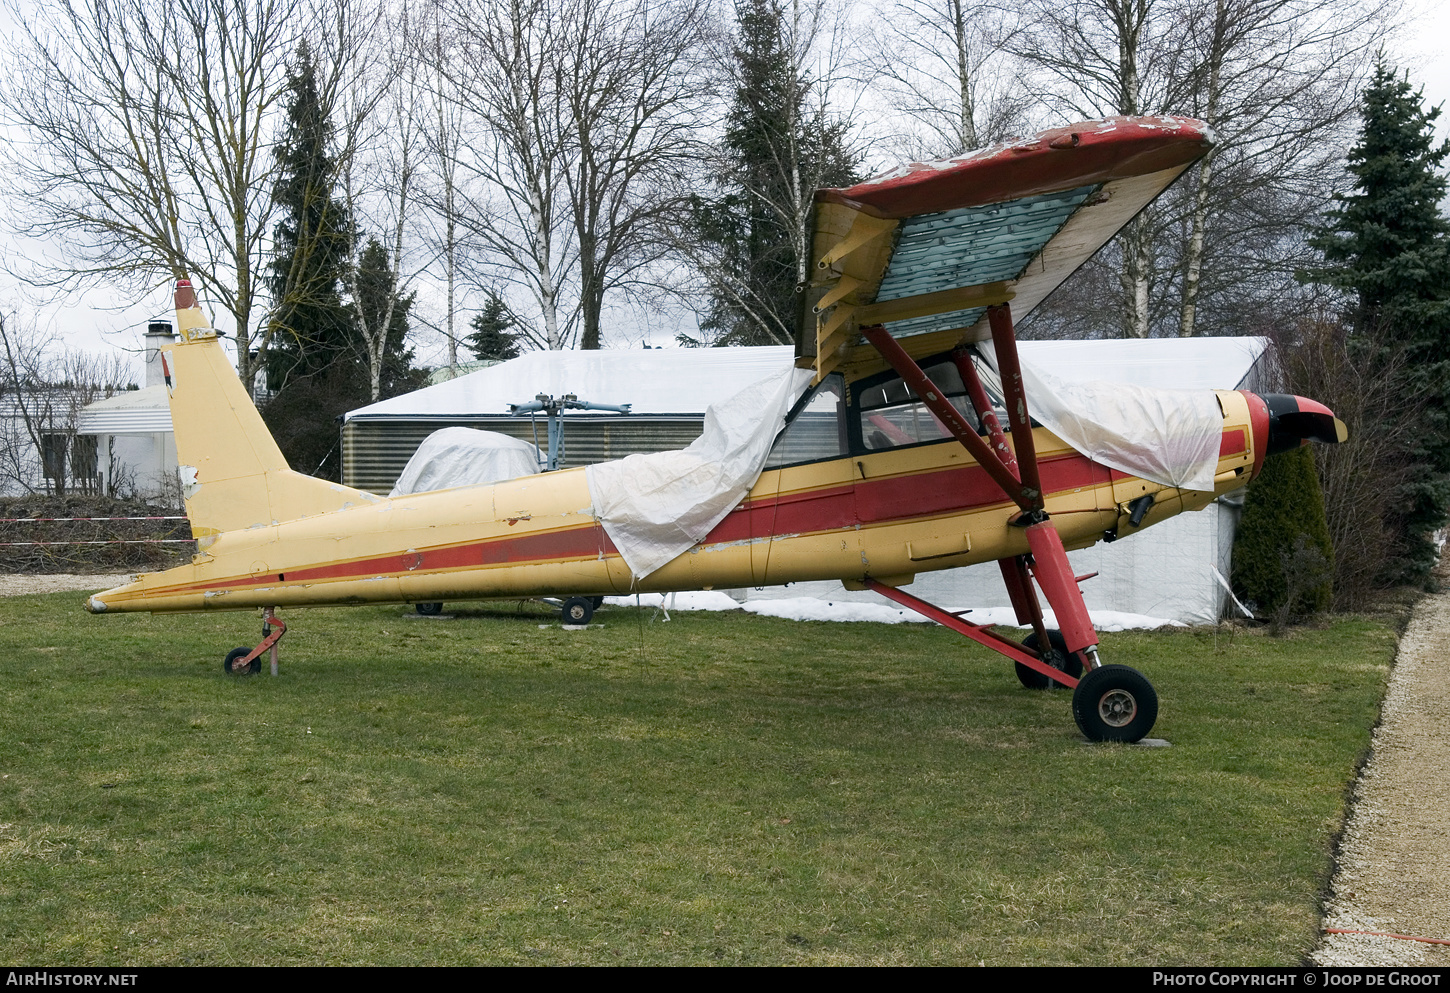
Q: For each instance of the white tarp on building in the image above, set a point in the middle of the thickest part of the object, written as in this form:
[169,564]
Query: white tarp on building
[651,381]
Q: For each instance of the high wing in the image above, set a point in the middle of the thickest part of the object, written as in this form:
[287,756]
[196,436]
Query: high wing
[925,249]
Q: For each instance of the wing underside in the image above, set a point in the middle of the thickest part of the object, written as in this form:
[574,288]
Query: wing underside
[925,250]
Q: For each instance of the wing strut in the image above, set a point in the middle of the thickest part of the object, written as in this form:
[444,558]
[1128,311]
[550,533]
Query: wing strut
[1017,475]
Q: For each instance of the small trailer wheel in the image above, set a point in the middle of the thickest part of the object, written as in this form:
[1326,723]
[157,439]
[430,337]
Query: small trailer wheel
[577,610]
[1057,645]
[1115,703]
[236,655]
[428,609]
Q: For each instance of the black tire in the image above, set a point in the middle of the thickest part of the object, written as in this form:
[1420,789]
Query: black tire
[598,601]
[577,610]
[1115,703]
[239,653]
[1068,663]
[428,609]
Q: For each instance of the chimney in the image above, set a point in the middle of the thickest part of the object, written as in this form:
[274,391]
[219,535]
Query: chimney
[158,333]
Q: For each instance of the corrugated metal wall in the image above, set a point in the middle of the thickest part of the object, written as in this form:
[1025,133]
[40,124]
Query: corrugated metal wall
[374,451]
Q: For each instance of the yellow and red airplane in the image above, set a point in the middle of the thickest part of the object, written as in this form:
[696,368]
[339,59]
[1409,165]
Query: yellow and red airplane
[895,462]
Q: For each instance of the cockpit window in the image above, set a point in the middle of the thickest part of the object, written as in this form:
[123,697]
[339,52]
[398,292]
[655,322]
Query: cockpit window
[816,428]
[891,415]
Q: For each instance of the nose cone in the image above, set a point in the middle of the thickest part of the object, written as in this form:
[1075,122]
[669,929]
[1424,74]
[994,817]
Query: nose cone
[1292,421]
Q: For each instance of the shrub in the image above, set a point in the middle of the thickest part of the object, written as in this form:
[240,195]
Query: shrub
[1282,556]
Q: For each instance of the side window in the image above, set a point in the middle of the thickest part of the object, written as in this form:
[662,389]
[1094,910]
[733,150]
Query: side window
[891,415]
[816,428]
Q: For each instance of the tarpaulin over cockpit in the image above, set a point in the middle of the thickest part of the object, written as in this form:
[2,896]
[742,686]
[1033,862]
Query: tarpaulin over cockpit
[1167,436]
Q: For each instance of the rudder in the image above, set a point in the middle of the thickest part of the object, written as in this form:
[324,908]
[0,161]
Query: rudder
[232,473]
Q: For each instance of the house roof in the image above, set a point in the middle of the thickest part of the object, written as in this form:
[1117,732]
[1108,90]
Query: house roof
[143,411]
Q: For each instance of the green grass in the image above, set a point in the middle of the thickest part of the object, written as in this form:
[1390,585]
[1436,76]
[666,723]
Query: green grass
[722,788]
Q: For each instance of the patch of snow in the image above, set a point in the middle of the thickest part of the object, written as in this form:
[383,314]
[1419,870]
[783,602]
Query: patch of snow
[812,609]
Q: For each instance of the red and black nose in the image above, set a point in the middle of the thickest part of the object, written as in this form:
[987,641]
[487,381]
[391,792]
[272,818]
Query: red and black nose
[1283,421]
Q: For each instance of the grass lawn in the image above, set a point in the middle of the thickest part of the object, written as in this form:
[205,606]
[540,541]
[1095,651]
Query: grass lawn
[721,788]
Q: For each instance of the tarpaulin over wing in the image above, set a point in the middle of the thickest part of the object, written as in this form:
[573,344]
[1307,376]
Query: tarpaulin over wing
[655,507]
[1167,436]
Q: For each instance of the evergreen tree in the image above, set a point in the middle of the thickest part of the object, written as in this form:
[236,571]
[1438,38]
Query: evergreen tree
[778,151]
[491,326]
[1282,555]
[1387,244]
[312,242]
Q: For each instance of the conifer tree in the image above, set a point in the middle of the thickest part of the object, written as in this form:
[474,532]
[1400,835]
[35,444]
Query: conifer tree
[1388,244]
[491,326]
[1282,556]
[312,242]
[779,149]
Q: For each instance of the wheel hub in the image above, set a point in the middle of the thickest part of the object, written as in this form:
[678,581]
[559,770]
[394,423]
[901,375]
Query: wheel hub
[1117,708]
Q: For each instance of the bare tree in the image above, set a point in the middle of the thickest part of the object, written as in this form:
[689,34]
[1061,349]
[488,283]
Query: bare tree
[499,61]
[1360,378]
[146,143]
[1275,79]
[381,97]
[443,136]
[629,79]
[1277,82]
[1106,57]
[43,390]
[945,66]
[579,113]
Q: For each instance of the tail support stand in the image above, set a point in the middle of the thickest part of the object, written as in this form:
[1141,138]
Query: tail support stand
[272,631]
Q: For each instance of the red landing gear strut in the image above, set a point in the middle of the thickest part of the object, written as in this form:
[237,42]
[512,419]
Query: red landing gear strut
[242,661]
[1110,702]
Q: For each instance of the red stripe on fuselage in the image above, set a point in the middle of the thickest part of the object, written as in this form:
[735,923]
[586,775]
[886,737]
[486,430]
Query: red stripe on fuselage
[961,489]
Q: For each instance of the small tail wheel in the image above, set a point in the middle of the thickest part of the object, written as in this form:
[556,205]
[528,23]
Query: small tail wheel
[577,610]
[1056,656]
[1115,703]
[236,655]
[428,609]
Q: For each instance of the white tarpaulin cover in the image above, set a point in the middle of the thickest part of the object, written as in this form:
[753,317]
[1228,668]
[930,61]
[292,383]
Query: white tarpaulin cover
[1167,436]
[657,506]
[465,457]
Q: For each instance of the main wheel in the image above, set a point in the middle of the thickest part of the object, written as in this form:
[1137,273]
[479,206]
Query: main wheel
[237,654]
[1115,703]
[428,609]
[577,610]
[598,601]
[1056,656]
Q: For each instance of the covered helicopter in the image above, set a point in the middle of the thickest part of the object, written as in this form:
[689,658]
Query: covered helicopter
[893,458]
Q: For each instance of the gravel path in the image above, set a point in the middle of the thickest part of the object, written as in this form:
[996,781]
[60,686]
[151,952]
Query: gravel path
[54,583]
[1394,864]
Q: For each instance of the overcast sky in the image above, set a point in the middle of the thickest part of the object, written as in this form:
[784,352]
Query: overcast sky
[1422,47]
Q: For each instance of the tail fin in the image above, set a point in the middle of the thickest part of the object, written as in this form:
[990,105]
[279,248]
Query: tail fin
[233,475]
